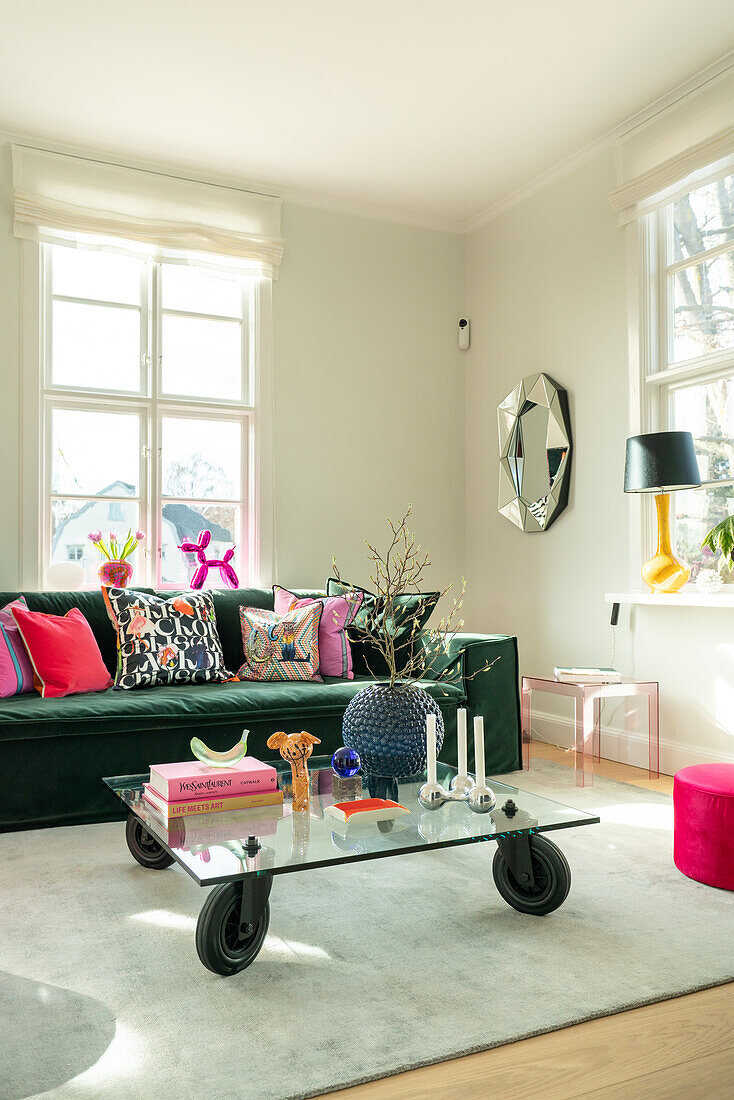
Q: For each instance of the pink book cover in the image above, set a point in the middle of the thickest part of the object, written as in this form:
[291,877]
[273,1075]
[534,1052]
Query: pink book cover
[192,779]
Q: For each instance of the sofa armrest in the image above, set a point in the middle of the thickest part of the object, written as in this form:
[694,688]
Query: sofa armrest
[491,691]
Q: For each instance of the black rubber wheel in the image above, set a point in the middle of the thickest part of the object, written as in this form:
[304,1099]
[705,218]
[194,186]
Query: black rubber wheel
[552,879]
[218,942]
[144,847]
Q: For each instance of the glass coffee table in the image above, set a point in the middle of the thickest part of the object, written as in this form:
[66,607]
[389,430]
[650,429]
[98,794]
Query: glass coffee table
[240,852]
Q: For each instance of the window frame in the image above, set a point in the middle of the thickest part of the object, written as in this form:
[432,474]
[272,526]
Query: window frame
[654,375]
[41,395]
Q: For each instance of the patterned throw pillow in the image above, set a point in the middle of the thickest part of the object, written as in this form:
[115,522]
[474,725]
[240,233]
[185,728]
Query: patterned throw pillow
[410,608]
[280,647]
[161,641]
[335,652]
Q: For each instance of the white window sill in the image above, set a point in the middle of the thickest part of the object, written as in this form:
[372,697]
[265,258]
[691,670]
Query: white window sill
[689,597]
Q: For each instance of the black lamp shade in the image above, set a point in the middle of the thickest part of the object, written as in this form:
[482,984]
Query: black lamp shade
[660,462]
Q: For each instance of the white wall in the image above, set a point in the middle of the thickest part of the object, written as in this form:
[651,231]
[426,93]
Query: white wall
[546,287]
[369,398]
[369,392]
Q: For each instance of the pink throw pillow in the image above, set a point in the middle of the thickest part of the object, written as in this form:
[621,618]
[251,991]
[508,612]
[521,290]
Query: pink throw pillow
[63,651]
[16,673]
[335,652]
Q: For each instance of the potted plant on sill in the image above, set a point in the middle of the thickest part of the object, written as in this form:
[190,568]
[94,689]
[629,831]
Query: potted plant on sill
[721,539]
[115,571]
[386,721]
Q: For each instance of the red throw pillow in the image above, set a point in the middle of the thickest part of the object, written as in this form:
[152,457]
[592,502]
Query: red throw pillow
[63,651]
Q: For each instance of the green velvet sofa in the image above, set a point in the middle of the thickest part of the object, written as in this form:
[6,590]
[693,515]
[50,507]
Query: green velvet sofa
[54,752]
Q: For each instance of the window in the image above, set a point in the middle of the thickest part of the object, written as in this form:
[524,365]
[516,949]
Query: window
[147,409]
[690,371]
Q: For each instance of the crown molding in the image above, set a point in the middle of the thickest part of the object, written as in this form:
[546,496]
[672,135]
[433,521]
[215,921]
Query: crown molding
[638,121]
[376,213]
[538,183]
[292,195]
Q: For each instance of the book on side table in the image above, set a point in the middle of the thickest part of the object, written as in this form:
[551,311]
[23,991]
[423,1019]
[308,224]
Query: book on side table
[572,675]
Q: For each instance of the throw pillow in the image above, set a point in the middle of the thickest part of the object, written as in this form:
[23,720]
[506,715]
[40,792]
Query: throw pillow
[280,647]
[411,605]
[335,652]
[16,672]
[63,652]
[165,641]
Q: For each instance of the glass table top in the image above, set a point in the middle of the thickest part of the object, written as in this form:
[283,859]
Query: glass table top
[211,847]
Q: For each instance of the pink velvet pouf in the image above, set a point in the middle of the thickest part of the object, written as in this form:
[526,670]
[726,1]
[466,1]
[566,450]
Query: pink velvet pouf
[703,830]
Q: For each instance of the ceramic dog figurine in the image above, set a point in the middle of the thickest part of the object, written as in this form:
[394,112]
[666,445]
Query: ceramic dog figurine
[296,749]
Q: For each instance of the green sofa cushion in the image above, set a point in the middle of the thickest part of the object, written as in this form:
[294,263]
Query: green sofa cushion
[29,716]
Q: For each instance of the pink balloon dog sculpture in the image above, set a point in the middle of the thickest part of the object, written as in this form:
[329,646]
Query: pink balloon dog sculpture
[226,571]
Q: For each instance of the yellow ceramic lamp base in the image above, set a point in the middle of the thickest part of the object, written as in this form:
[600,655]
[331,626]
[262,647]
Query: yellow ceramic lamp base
[664,572]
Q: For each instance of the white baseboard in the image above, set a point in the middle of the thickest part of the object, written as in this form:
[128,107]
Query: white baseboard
[626,747]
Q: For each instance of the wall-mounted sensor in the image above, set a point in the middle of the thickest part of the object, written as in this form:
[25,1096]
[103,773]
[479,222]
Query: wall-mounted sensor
[464,330]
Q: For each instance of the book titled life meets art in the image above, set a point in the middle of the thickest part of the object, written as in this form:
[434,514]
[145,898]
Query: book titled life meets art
[192,779]
[168,810]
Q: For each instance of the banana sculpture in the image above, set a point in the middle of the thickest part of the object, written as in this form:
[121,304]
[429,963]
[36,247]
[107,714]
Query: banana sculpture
[220,759]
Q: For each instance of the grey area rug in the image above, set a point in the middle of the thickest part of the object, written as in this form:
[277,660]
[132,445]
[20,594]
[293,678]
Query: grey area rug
[368,969]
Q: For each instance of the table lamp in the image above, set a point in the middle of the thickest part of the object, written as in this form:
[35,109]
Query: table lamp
[660,463]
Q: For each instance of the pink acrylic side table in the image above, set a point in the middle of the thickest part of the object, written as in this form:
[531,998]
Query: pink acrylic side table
[587,700]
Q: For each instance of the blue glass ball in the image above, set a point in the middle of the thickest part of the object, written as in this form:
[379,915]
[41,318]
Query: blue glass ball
[346,762]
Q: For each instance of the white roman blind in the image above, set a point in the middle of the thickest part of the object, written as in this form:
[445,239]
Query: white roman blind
[69,199]
[687,144]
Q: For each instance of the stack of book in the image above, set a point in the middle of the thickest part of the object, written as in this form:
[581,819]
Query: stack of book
[179,790]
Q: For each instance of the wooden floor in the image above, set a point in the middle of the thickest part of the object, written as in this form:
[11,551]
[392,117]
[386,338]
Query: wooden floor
[682,1047]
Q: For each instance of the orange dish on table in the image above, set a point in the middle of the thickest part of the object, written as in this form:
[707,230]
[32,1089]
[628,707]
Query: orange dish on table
[366,809]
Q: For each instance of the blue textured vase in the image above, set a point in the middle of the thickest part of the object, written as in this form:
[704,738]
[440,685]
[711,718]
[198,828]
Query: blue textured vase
[387,727]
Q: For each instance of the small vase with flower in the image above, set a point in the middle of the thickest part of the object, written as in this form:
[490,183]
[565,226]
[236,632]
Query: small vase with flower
[115,571]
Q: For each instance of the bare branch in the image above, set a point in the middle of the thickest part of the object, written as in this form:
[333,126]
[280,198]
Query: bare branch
[394,575]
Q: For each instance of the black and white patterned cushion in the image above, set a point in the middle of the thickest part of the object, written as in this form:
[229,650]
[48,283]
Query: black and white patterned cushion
[165,641]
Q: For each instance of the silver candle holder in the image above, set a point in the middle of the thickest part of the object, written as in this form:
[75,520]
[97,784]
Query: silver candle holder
[479,798]
[475,794]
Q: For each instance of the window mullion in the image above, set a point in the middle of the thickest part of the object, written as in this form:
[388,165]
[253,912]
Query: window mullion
[246,299]
[701,257]
[154,462]
[664,325]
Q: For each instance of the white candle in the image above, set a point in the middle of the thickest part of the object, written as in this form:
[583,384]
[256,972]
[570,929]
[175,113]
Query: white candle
[431,747]
[461,739]
[479,750]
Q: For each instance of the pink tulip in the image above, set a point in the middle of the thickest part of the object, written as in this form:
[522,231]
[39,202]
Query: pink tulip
[140,535]
[95,536]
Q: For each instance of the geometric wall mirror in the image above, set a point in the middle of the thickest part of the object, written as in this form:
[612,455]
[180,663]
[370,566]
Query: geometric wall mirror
[535,453]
